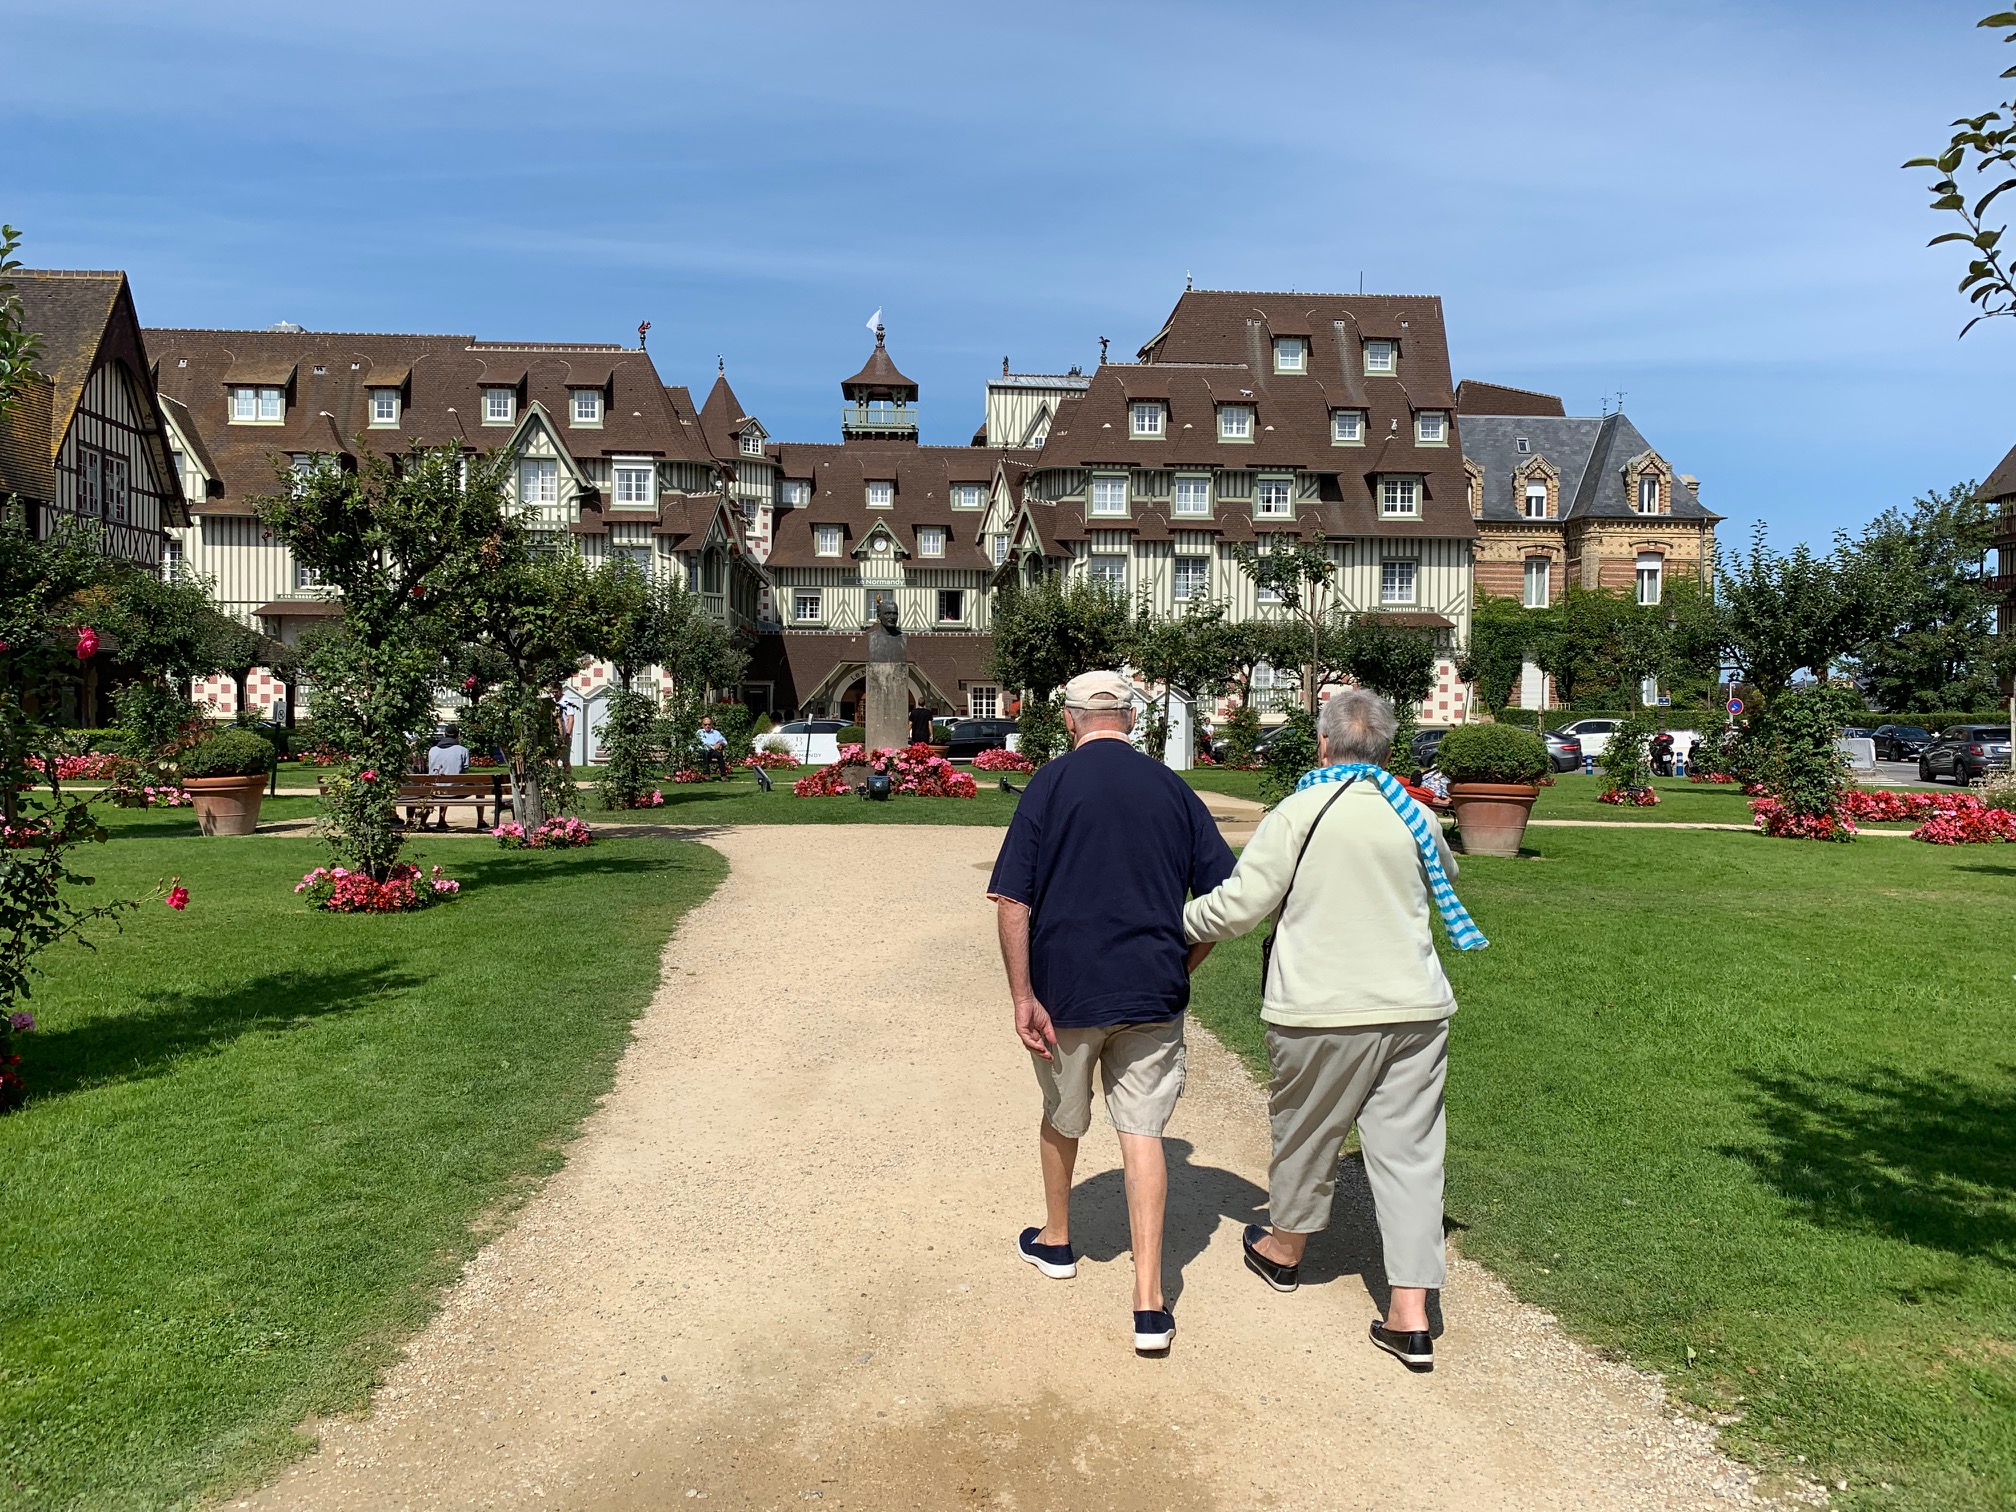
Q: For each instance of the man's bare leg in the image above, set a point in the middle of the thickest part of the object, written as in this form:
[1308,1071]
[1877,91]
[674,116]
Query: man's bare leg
[1147,1195]
[1060,1158]
[1406,1306]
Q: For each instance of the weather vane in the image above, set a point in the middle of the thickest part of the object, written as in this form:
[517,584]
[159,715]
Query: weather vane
[643,330]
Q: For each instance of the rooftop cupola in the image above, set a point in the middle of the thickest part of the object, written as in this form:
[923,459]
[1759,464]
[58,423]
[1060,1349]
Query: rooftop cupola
[881,402]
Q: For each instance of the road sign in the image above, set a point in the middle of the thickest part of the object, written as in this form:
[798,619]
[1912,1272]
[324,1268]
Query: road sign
[1735,706]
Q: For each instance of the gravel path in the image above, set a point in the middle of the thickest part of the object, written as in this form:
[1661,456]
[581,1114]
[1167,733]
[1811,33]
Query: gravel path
[777,1269]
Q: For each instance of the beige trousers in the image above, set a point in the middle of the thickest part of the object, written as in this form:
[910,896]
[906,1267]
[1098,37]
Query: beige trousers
[1387,1079]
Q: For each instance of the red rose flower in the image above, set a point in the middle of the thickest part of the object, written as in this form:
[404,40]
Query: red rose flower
[178,897]
[87,643]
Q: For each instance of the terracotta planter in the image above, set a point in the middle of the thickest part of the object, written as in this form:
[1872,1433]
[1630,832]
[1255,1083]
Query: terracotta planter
[940,750]
[1492,815]
[226,805]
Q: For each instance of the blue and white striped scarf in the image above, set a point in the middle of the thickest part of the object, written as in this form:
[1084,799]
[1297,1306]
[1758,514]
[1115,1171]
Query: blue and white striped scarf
[1463,931]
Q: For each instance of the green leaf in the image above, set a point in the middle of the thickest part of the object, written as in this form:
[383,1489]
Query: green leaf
[1921,163]
[1989,198]
[1950,158]
[1999,19]
[1950,202]
[1987,239]
[1948,236]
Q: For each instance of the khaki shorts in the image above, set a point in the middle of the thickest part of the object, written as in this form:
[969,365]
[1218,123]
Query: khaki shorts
[1140,1066]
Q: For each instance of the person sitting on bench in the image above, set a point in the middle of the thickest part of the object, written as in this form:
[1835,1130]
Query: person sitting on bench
[713,748]
[448,758]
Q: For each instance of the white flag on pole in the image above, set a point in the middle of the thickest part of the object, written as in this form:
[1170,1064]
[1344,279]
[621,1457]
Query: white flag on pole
[875,319]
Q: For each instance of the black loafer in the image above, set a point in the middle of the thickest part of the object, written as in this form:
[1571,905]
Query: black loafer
[1153,1330]
[1283,1278]
[1414,1350]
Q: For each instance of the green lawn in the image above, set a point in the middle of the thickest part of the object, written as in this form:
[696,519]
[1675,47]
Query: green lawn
[1744,1112]
[740,801]
[260,1139]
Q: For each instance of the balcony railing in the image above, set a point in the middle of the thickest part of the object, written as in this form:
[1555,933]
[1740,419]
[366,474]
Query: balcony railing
[2001,584]
[877,417]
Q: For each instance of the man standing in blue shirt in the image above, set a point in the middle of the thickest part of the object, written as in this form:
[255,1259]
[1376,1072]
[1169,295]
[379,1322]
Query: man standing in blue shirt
[1089,889]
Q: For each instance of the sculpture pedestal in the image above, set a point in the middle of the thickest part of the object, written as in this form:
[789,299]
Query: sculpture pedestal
[887,715]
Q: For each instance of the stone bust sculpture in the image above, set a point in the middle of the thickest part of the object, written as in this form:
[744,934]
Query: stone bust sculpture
[885,616]
[885,636]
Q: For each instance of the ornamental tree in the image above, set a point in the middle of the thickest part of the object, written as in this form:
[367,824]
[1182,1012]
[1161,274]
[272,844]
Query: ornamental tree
[1303,577]
[400,543]
[1045,634]
[1194,649]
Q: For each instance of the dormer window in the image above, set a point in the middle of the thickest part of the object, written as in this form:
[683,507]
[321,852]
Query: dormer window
[384,406]
[1648,495]
[587,406]
[795,491]
[1193,496]
[881,495]
[1274,498]
[1145,421]
[1380,357]
[1523,446]
[826,540]
[752,443]
[967,496]
[1399,498]
[1235,422]
[632,483]
[258,406]
[1536,501]
[1291,354]
[931,541]
[500,406]
[1347,427]
[1431,428]
[1109,496]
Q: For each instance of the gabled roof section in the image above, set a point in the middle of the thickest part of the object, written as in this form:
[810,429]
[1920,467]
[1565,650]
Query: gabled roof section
[69,312]
[1474,398]
[866,544]
[722,419]
[2001,483]
[186,432]
[880,373]
[1591,453]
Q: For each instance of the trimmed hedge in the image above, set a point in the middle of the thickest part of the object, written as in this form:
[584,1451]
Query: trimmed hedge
[230,753]
[1492,753]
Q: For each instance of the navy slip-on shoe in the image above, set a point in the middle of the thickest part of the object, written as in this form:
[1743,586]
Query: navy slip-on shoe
[1153,1330]
[1057,1261]
[1414,1350]
[1283,1278]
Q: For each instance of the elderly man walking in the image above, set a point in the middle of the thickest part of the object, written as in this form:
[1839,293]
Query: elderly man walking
[1089,887]
[1356,1005]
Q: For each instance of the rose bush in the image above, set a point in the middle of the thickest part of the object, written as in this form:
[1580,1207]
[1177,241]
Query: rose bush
[338,889]
[1643,797]
[563,832]
[1780,822]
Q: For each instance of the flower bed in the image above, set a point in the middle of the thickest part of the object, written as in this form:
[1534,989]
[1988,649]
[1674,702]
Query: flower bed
[96,767]
[1643,797]
[404,890]
[1942,818]
[1003,760]
[562,833]
[772,759]
[913,771]
[1710,777]
[1980,825]
[1773,818]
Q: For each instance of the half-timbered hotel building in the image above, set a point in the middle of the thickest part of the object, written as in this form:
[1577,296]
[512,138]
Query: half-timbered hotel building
[85,441]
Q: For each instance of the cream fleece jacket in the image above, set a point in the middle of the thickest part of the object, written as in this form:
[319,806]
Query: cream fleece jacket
[1357,944]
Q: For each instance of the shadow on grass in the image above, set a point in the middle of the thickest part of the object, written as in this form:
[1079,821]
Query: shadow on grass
[135,1045]
[1930,1161]
[1989,871]
[517,868]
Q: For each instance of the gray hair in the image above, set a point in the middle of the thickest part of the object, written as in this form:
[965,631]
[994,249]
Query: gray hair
[1359,725]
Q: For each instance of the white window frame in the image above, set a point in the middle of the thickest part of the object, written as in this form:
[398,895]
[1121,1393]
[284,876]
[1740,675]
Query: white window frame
[1347,427]
[534,476]
[116,490]
[385,406]
[800,597]
[1536,494]
[1399,498]
[1192,497]
[1274,498]
[968,495]
[828,540]
[1147,420]
[272,406]
[306,577]
[983,701]
[951,619]
[1651,578]
[1109,495]
[1539,583]
[1382,358]
[1235,422]
[931,540]
[1648,484]
[1097,571]
[1291,354]
[1399,580]
[997,547]
[171,559]
[258,405]
[626,489]
[637,556]
[795,491]
[1191,578]
[881,493]
[752,442]
[495,413]
[592,398]
[1431,428]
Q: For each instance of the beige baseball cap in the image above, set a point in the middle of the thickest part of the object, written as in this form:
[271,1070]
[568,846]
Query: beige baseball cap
[1098,692]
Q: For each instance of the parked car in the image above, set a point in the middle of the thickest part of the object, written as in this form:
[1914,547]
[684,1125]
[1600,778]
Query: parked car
[972,736]
[1857,732]
[812,741]
[1899,742]
[1964,753]
[1426,744]
[1565,751]
[1594,734]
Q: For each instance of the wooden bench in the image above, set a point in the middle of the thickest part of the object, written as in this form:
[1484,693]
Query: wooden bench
[421,794]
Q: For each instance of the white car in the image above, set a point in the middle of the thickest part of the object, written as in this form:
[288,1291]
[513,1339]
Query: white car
[812,741]
[1593,733]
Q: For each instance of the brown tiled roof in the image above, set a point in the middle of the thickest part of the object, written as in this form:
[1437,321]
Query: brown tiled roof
[721,419]
[798,661]
[179,413]
[443,376]
[879,372]
[923,476]
[2001,483]
[300,609]
[27,466]
[1474,398]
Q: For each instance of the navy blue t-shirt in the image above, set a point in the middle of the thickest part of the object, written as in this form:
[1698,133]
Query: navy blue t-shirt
[1105,846]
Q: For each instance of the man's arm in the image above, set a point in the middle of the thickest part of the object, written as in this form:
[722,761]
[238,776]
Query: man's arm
[1032,1020]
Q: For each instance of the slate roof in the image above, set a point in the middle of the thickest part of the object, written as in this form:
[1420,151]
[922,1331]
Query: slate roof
[1223,326]
[1590,454]
[442,378]
[880,372]
[69,312]
[1475,398]
[722,419]
[923,475]
[2001,483]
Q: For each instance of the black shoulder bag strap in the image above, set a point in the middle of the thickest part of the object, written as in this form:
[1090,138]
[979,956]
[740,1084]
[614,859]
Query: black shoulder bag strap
[1267,945]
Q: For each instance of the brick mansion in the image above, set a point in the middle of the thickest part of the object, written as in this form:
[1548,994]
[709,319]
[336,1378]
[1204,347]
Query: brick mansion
[1246,419]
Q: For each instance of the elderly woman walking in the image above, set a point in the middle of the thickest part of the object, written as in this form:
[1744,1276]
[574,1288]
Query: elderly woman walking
[1356,1006]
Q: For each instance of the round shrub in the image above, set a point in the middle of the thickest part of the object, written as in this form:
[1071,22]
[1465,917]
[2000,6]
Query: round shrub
[1492,753]
[230,753]
[853,734]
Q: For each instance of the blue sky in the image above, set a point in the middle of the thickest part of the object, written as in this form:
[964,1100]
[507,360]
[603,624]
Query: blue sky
[1696,204]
